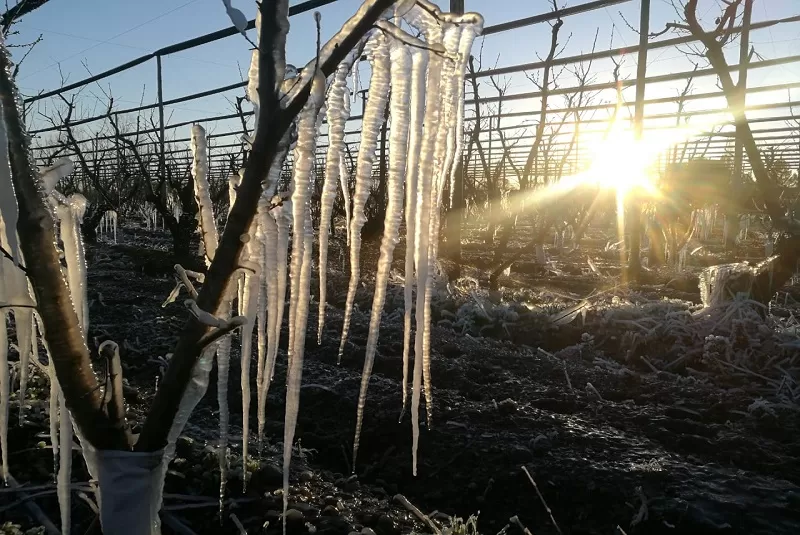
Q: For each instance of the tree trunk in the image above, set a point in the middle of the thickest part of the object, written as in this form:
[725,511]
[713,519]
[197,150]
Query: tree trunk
[182,233]
[89,227]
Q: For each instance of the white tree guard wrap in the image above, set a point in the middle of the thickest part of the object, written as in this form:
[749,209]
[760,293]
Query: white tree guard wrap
[129,496]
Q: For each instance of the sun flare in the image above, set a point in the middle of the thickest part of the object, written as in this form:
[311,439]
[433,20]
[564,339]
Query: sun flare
[622,162]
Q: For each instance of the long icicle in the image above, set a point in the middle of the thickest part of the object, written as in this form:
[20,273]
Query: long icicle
[262,215]
[65,464]
[451,37]
[223,357]
[344,182]
[419,65]
[249,309]
[70,213]
[426,169]
[52,412]
[378,55]
[277,220]
[283,218]
[23,323]
[398,147]
[270,276]
[307,127]
[338,111]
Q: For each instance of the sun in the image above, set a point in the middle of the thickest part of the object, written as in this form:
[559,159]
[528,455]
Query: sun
[623,163]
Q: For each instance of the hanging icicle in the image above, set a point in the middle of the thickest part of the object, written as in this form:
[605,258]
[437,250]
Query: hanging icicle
[419,65]
[338,111]
[378,55]
[267,240]
[398,155]
[249,309]
[307,128]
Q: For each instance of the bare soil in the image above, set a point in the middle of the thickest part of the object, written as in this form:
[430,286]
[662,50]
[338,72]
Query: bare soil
[611,438]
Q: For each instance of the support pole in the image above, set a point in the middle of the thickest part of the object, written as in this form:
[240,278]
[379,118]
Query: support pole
[634,218]
[162,162]
[737,178]
[455,214]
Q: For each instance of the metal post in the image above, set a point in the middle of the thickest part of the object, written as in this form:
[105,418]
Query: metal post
[455,215]
[162,162]
[737,179]
[634,207]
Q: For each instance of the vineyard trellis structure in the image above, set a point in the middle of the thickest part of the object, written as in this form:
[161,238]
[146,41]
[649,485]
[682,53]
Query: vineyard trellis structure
[506,135]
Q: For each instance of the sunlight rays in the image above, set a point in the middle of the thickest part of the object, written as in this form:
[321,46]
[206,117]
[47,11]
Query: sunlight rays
[618,163]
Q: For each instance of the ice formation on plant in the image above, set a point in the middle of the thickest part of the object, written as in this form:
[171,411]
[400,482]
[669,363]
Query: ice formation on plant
[421,79]
[377,51]
[208,227]
[338,111]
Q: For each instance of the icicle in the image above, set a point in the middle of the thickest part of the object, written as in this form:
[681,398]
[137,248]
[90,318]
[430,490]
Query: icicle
[442,150]
[26,341]
[269,348]
[65,464]
[208,227]
[52,413]
[422,240]
[465,46]
[344,182]
[223,356]
[338,111]
[15,290]
[194,392]
[233,185]
[371,124]
[5,391]
[252,84]
[283,218]
[398,147]
[249,309]
[70,215]
[307,127]
[419,64]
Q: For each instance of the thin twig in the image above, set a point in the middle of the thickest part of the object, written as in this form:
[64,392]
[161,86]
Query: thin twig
[216,334]
[649,364]
[176,525]
[410,507]
[34,509]
[8,255]
[515,521]
[541,498]
[239,525]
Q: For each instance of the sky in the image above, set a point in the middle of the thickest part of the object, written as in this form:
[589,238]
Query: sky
[90,36]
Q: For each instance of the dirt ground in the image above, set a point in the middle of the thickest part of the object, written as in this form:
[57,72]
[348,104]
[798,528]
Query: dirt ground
[624,413]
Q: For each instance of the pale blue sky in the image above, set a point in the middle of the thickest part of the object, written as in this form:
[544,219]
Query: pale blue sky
[104,33]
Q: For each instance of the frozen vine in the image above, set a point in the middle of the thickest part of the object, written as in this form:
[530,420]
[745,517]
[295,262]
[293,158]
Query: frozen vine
[208,227]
